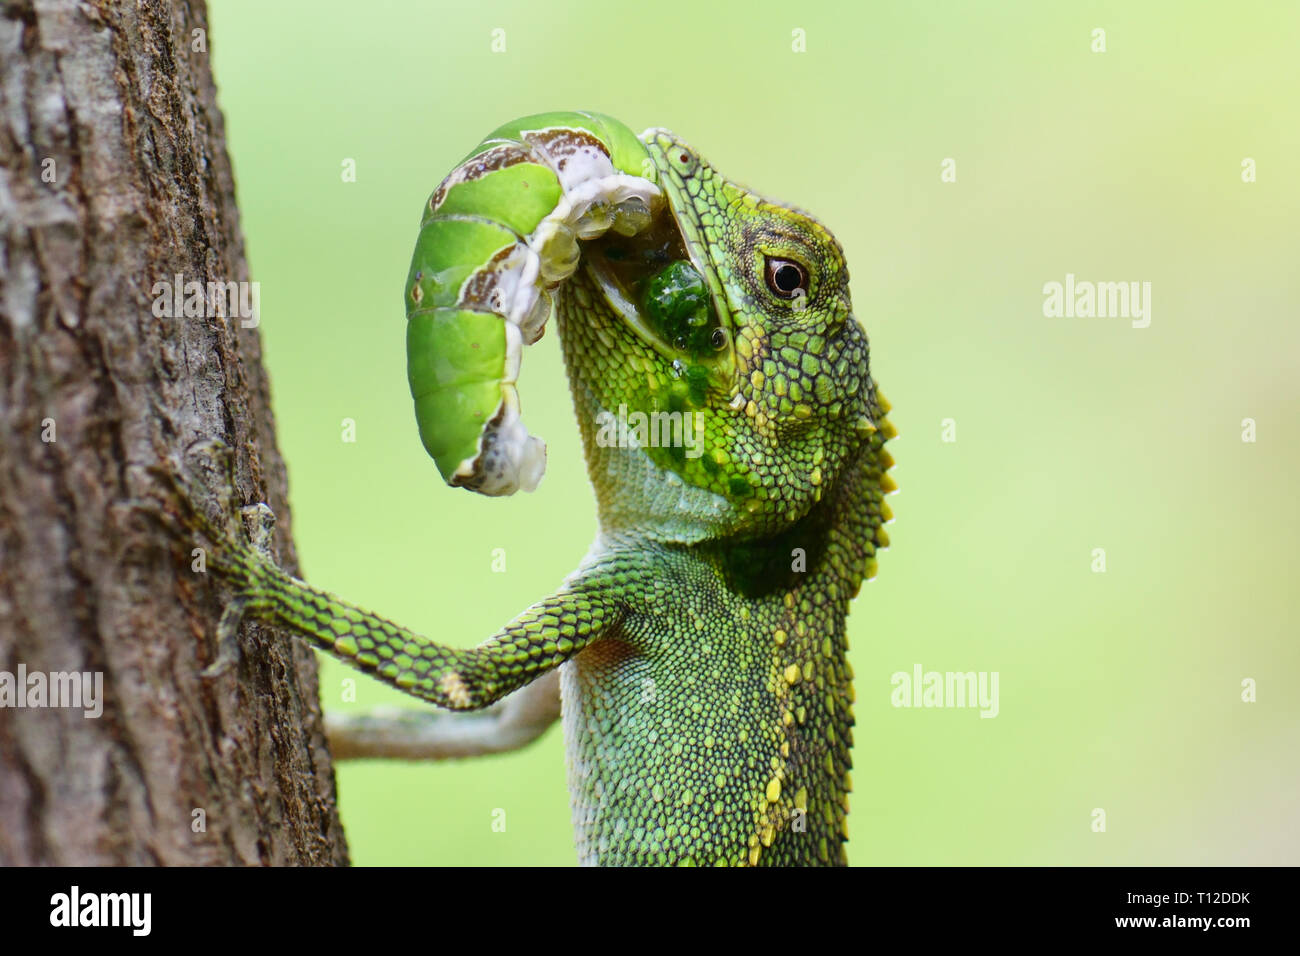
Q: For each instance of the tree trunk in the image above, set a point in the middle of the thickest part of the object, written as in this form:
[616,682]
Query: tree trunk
[114,177]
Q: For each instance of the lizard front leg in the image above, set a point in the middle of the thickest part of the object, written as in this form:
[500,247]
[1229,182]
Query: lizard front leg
[538,640]
[588,606]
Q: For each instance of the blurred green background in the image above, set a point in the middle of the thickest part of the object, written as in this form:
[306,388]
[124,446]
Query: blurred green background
[1119,690]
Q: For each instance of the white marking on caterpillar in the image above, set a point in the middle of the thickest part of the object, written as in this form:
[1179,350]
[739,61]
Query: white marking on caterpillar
[508,459]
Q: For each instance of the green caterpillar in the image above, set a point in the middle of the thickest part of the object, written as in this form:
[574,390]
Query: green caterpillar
[498,237]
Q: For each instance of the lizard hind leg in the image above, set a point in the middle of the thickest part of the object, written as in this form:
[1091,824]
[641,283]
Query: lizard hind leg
[396,734]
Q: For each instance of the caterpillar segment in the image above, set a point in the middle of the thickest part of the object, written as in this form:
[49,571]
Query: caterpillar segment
[498,237]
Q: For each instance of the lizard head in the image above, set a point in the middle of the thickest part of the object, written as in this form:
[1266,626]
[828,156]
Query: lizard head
[721,379]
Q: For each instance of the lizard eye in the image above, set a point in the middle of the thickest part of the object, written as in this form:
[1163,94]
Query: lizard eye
[785,277]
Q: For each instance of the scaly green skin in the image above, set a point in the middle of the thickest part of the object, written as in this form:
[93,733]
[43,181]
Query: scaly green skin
[707,697]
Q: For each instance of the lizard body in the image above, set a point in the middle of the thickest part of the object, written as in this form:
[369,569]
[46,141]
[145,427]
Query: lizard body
[707,699]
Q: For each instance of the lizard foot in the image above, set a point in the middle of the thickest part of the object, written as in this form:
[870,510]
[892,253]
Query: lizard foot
[235,553]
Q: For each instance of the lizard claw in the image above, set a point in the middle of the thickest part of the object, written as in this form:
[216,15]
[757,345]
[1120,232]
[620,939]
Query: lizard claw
[153,510]
[220,666]
[228,650]
[259,526]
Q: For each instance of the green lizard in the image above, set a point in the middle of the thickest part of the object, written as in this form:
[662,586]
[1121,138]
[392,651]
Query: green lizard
[707,699]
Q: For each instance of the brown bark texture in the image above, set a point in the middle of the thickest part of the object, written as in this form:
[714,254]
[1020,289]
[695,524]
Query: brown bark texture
[114,176]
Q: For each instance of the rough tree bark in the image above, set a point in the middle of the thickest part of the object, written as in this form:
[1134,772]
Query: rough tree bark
[139,190]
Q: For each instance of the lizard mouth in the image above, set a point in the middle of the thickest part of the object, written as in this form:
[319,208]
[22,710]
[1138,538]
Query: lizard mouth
[658,290]
[629,233]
